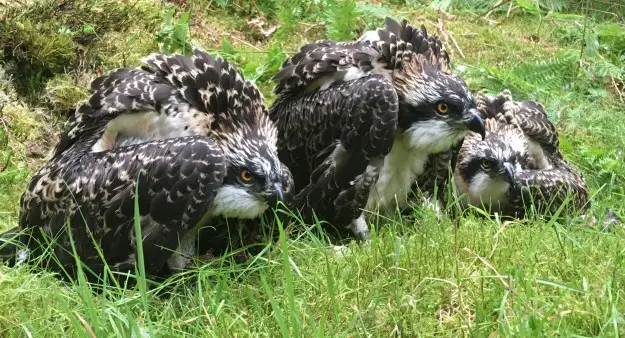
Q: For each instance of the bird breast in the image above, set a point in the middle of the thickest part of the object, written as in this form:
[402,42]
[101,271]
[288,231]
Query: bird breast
[484,190]
[400,169]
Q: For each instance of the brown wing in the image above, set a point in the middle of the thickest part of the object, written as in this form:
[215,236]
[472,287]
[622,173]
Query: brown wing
[94,193]
[546,180]
[322,63]
[529,116]
[546,190]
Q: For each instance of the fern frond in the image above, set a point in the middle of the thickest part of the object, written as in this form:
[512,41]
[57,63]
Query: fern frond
[602,67]
[341,19]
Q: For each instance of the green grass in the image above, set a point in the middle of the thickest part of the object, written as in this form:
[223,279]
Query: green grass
[418,276]
[522,279]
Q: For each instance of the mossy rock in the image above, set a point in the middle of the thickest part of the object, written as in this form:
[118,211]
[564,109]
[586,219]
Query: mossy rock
[51,37]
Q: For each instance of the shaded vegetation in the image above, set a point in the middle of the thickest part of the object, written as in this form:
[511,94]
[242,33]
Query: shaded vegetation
[53,37]
[418,275]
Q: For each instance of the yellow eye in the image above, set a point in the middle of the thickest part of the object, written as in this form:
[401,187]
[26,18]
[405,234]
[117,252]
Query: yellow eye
[485,164]
[246,175]
[443,108]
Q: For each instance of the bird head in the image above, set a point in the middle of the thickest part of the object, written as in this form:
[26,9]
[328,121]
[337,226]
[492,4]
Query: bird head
[239,123]
[436,108]
[255,177]
[488,168]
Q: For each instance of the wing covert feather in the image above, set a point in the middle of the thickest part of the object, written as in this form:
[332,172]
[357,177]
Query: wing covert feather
[334,141]
[529,116]
[177,180]
[547,189]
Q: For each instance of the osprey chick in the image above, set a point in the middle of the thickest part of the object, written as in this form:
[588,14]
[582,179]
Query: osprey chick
[518,163]
[190,131]
[359,122]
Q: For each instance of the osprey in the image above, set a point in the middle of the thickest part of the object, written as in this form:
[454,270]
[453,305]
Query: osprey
[518,163]
[360,122]
[187,137]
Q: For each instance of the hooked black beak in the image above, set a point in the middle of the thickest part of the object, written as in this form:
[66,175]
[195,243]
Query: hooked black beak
[508,173]
[276,195]
[475,124]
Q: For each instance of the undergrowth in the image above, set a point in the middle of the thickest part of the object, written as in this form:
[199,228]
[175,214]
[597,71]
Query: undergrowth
[418,275]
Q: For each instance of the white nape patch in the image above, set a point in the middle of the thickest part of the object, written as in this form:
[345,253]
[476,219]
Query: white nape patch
[428,92]
[432,136]
[399,171]
[485,190]
[134,128]
[235,202]
[186,250]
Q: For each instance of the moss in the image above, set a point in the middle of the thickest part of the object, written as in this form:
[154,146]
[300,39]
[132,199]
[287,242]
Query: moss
[26,136]
[36,49]
[29,133]
[62,93]
[117,49]
[49,37]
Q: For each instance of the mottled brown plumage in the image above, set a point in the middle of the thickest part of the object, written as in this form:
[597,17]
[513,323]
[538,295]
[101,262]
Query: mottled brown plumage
[519,164]
[188,136]
[358,121]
